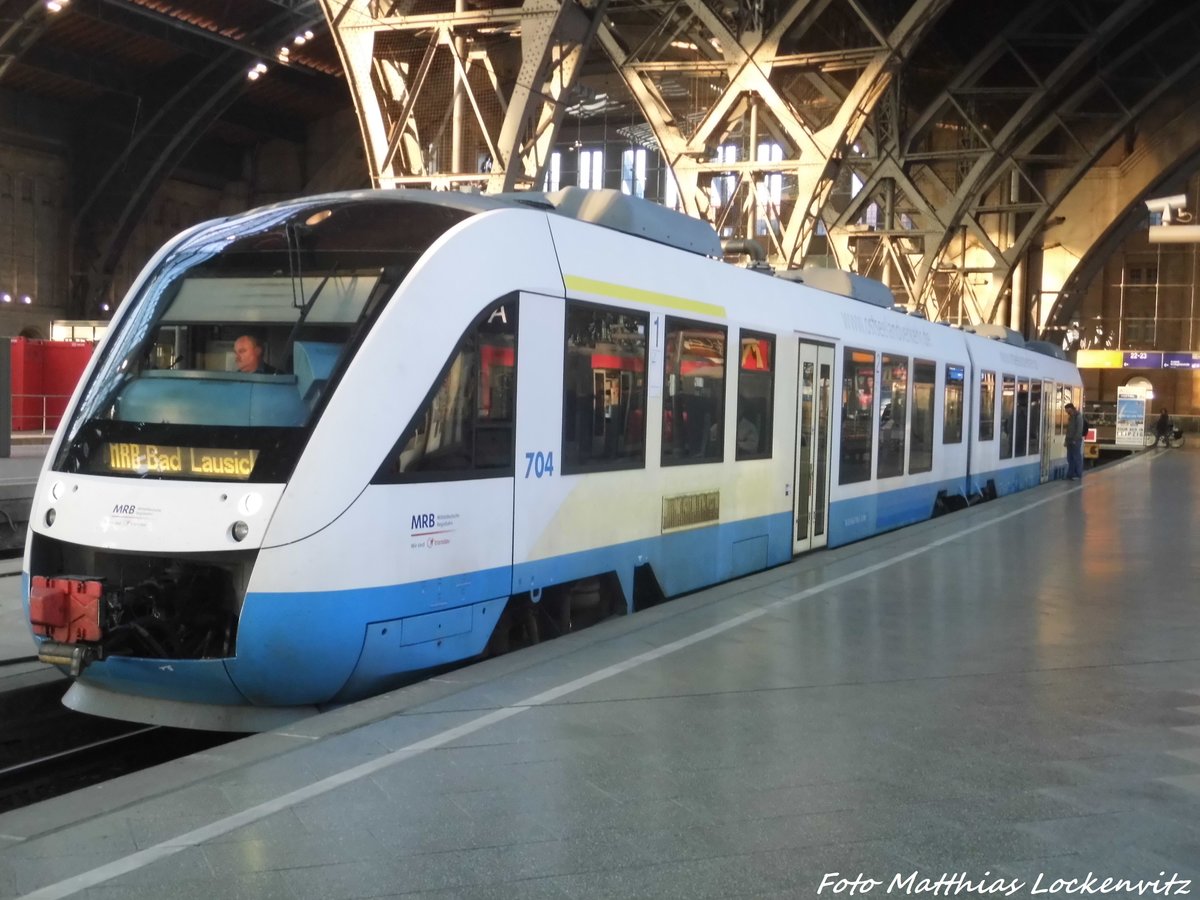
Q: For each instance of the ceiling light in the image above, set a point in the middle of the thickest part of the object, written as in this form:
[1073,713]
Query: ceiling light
[56,6]
[26,299]
[6,297]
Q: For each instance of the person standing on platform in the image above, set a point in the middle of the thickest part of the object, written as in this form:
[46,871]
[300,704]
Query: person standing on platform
[1074,443]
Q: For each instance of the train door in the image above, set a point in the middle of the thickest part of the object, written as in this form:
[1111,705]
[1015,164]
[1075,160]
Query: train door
[815,393]
[1049,392]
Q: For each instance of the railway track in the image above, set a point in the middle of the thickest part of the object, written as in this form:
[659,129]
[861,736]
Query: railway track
[47,750]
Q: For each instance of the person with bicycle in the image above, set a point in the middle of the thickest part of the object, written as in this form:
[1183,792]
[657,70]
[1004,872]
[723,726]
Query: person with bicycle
[1162,429]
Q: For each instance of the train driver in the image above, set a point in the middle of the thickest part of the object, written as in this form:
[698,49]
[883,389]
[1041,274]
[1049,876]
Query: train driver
[248,352]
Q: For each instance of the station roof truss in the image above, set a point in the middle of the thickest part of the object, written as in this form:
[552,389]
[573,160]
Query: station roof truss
[927,143]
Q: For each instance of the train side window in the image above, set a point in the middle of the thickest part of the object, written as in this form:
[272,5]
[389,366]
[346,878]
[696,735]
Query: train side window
[893,415]
[1008,408]
[952,414]
[756,395]
[1035,416]
[1021,428]
[920,455]
[693,428]
[464,428]
[987,406]
[858,406]
[604,389]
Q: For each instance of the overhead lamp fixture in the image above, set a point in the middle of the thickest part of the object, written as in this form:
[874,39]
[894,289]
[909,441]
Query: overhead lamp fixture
[6,297]
[26,299]
[56,6]
[257,72]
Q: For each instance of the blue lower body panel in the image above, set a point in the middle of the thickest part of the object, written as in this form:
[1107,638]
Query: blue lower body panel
[862,517]
[1016,478]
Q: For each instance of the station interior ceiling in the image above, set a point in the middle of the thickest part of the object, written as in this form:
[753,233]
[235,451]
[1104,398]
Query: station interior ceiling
[987,160]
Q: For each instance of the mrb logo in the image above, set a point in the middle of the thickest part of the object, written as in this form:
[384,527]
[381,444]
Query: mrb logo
[421,521]
[124,509]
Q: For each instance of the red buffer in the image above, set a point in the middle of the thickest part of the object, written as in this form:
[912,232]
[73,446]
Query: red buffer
[64,609]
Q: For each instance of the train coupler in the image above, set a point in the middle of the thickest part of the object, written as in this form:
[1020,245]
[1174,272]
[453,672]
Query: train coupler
[76,657]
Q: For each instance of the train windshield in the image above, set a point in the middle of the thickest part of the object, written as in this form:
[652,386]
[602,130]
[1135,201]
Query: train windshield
[222,363]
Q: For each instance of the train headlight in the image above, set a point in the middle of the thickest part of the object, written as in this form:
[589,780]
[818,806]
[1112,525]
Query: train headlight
[250,503]
[239,531]
[51,515]
[57,490]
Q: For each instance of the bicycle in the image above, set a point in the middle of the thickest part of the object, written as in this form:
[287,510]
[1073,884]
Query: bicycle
[1174,438]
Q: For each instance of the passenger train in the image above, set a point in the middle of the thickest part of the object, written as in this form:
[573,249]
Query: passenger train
[485,421]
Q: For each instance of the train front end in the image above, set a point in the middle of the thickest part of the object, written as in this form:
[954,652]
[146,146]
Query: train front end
[158,494]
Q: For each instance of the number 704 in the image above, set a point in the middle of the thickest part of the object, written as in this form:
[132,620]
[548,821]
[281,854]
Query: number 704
[539,464]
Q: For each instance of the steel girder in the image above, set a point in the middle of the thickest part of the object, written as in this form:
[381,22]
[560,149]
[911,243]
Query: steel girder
[812,103]
[22,34]
[976,211]
[412,76]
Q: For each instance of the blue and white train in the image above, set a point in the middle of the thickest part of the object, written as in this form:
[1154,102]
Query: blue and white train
[480,421]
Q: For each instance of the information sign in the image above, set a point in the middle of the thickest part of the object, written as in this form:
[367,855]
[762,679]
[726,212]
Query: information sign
[1142,359]
[1181,360]
[1131,417]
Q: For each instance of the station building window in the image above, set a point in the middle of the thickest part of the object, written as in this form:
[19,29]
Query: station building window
[858,404]
[1008,409]
[920,455]
[952,414]
[893,415]
[604,389]
[693,428]
[464,429]
[987,406]
[756,395]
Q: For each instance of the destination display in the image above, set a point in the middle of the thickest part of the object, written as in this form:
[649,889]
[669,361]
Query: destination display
[183,462]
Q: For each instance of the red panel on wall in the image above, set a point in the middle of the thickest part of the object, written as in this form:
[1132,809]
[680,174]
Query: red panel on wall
[44,375]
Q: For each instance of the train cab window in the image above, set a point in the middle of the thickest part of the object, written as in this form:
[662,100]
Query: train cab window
[1035,416]
[756,395]
[1021,426]
[920,454]
[893,415]
[952,414]
[693,427]
[604,389]
[1008,408]
[987,406]
[858,413]
[464,429]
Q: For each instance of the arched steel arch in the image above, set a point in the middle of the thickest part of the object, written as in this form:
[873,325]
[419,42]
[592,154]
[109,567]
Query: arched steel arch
[127,177]
[935,165]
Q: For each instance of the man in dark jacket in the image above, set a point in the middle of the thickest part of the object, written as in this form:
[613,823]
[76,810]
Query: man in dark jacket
[1074,443]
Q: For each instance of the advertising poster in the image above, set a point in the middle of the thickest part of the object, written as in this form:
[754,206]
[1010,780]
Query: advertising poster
[1131,417]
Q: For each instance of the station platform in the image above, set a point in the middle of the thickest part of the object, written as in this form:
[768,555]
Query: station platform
[1006,696]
